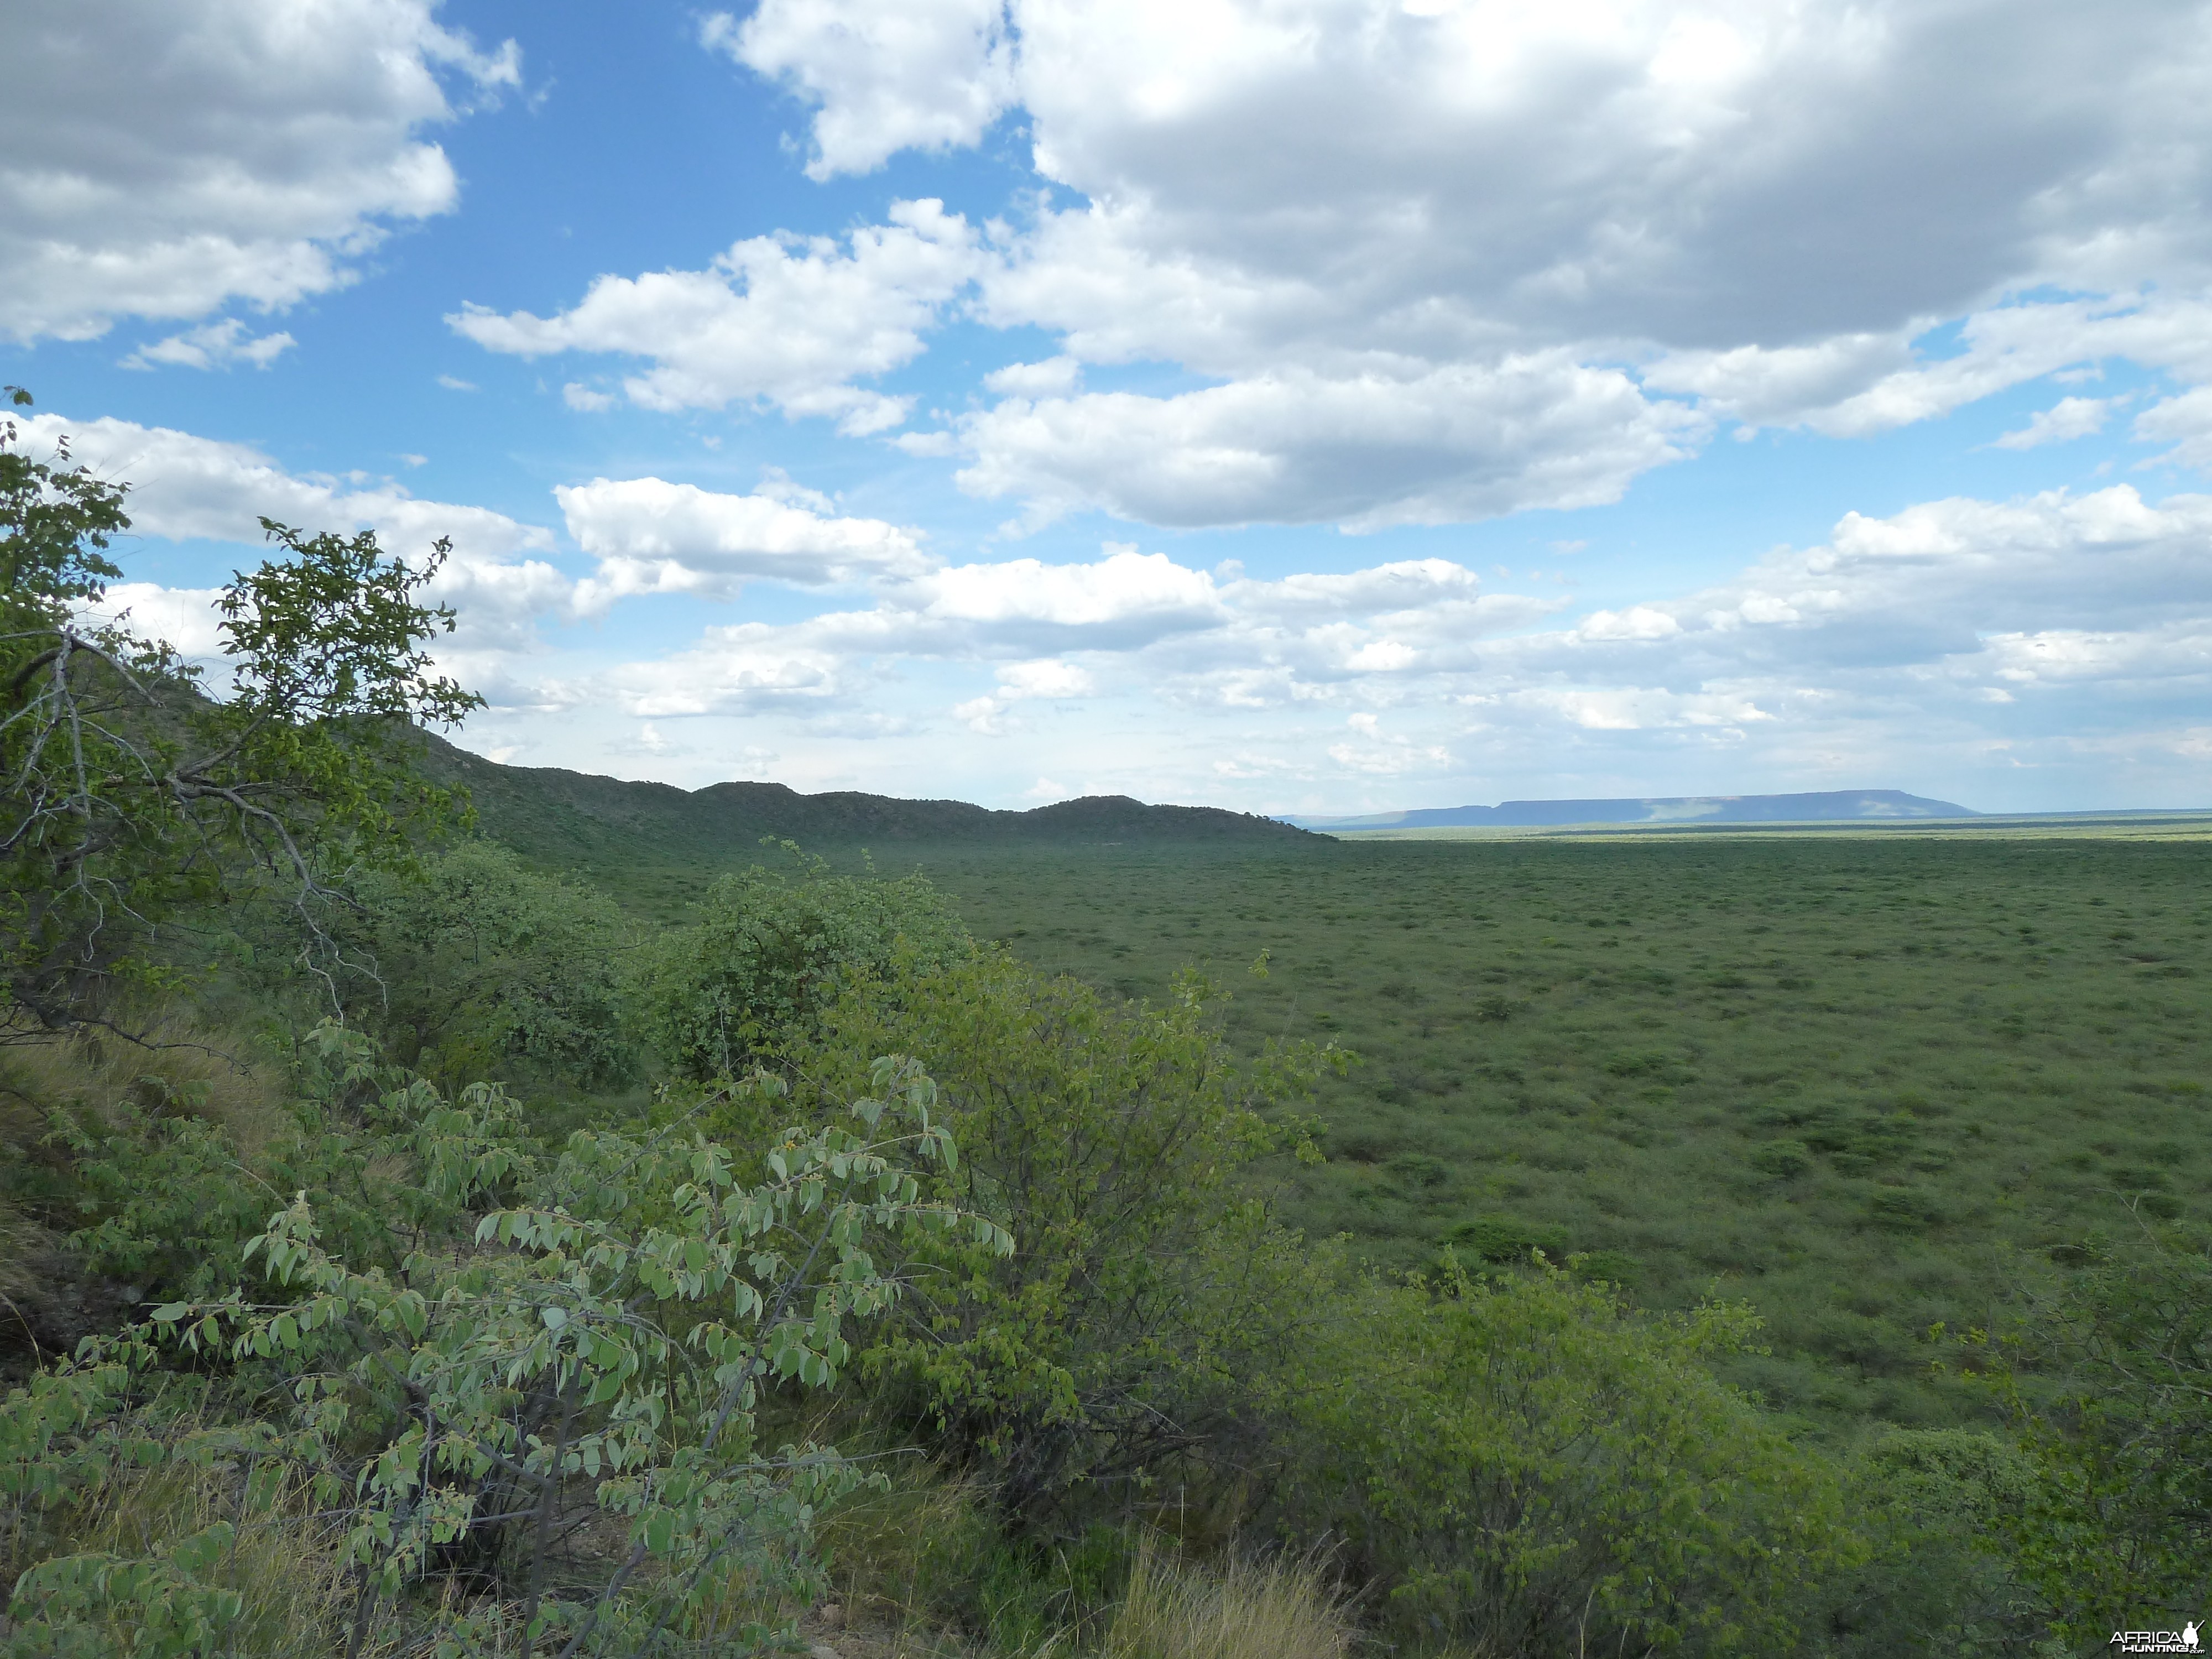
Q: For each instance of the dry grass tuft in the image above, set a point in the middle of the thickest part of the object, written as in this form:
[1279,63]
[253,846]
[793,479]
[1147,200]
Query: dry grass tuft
[896,1552]
[1278,1609]
[20,1237]
[21,1241]
[177,1069]
[47,1301]
[291,1581]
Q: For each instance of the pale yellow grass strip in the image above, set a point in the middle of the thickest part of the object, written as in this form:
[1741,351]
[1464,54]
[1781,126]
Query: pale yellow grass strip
[1245,1609]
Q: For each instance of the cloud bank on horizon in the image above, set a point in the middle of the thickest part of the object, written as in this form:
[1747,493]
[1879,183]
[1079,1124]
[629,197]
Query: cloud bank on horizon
[1289,404]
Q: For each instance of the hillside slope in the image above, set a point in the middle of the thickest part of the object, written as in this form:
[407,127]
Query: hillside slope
[550,813]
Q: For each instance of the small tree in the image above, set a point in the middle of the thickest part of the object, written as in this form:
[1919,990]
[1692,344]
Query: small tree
[769,955]
[1117,1144]
[128,795]
[487,964]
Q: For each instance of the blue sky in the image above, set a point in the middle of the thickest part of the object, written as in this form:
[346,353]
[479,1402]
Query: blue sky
[1317,405]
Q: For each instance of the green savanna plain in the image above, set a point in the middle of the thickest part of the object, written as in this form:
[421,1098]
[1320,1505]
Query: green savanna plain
[1871,1083]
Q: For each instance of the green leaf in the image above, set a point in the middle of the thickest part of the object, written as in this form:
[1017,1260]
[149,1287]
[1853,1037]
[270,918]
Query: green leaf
[196,1554]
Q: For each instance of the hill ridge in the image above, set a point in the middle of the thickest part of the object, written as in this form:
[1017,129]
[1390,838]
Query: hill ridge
[553,812]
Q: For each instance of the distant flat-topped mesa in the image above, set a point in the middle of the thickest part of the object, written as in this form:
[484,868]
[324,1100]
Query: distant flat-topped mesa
[1815,807]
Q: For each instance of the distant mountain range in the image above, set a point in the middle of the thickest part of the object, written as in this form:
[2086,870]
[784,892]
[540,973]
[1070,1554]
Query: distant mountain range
[1813,806]
[578,817]
[550,813]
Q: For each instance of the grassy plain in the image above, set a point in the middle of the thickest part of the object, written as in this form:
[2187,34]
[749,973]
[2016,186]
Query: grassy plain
[1868,1081]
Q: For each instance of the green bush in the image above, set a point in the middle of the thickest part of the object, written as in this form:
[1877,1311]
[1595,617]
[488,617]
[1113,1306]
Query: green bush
[1117,1143]
[611,1321]
[1940,1577]
[1615,1267]
[165,1190]
[2119,1427]
[1782,1158]
[482,963]
[1521,1466]
[130,799]
[768,954]
[1500,1239]
[1524,1466]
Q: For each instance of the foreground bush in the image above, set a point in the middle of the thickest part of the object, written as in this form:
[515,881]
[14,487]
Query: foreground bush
[478,1385]
[1940,1578]
[605,1326]
[2117,1429]
[1522,1464]
[1118,1143]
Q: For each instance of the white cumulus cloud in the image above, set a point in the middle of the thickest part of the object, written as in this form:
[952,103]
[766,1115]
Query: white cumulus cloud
[2067,419]
[1045,379]
[921,75]
[186,488]
[1122,598]
[1638,621]
[1403,585]
[786,320]
[1449,260]
[1852,387]
[213,345]
[652,537]
[1927,608]
[1047,677]
[1448,444]
[168,157]
[2185,422]
[1721,173]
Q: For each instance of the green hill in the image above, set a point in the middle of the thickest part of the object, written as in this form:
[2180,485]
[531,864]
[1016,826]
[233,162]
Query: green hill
[579,818]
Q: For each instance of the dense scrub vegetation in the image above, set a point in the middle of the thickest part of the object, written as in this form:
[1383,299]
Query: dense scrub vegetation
[964,1283]
[458,1263]
[1870,1084]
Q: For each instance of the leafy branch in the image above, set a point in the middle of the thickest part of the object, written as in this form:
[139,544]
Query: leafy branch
[622,1337]
[128,794]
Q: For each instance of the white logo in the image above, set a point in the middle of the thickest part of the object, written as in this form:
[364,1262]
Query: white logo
[2184,1640]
